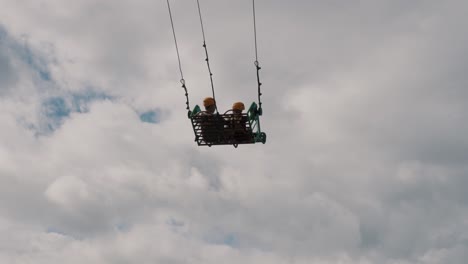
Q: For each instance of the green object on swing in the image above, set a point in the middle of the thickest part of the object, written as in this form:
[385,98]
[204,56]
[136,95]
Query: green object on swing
[228,128]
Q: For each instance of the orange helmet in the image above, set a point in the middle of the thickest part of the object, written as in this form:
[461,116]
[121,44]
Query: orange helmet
[208,101]
[238,106]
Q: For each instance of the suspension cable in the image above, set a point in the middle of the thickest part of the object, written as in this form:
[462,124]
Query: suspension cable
[206,53]
[257,64]
[255,30]
[182,80]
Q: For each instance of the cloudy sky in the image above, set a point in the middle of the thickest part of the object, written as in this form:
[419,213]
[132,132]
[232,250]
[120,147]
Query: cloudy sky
[365,108]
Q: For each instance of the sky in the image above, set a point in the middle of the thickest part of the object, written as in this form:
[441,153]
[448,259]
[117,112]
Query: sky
[365,112]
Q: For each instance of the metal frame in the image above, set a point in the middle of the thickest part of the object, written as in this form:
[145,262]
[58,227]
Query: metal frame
[217,129]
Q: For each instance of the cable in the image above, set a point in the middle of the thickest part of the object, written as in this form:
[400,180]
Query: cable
[255,30]
[206,53]
[182,80]
[257,64]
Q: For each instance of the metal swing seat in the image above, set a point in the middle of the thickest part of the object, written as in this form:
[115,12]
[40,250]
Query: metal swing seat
[228,128]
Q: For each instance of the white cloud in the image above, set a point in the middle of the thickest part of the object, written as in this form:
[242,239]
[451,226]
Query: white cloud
[364,107]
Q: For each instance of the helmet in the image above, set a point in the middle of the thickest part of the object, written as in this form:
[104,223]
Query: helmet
[208,101]
[238,106]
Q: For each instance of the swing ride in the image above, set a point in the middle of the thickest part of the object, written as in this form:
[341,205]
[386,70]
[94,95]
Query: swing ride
[233,127]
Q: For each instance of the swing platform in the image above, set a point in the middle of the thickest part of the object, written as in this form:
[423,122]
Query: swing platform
[228,128]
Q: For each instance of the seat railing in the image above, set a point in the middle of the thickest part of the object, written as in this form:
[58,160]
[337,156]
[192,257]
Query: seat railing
[228,128]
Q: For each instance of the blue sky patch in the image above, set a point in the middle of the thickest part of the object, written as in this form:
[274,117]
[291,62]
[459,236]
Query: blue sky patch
[45,75]
[37,62]
[228,239]
[80,101]
[150,117]
[231,240]
[57,109]
[123,227]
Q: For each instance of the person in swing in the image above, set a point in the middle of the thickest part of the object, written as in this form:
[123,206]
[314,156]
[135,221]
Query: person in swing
[210,106]
[212,124]
[237,124]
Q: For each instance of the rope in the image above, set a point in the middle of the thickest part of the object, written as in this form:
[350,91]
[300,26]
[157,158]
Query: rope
[257,64]
[255,30]
[201,21]
[206,53]
[182,80]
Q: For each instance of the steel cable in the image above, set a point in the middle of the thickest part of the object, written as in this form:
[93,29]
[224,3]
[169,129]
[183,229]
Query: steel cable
[182,80]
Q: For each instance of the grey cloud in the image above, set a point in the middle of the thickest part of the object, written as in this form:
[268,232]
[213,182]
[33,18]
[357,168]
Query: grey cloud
[7,72]
[364,108]
[7,76]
